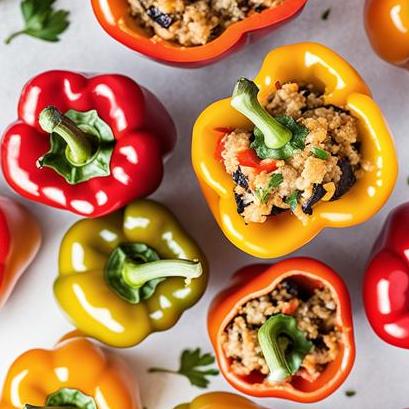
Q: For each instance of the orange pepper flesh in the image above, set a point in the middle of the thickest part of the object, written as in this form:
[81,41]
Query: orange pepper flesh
[342,86]
[75,363]
[115,18]
[387,25]
[256,280]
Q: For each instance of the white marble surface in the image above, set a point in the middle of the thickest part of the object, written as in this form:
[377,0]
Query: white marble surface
[31,317]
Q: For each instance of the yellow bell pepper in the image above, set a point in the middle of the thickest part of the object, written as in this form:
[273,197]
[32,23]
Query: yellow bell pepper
[128,274]
[77,374]
[220,400]
[278,236]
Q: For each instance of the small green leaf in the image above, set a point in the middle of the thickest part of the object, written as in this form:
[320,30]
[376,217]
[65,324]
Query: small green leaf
[191,362]
[275,181]
[292,200]
[350,393]
[42,20]
[320,153]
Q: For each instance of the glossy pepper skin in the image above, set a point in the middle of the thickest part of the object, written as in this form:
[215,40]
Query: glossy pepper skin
[75,363]
[386,283]
[91,304]
[256,280]
[387,26]
[114,17]
[17,226]
[143,133]
[316,64]
[219,400]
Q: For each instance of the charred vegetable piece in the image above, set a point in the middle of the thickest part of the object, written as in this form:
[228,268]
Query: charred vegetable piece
[240,203]
[347,180]
[317,194]
[275,211]
[240,179]
[163,19]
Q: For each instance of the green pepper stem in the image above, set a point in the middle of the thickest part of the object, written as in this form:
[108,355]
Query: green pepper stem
[274,337]
[52,120]
[245,101]
[136,275]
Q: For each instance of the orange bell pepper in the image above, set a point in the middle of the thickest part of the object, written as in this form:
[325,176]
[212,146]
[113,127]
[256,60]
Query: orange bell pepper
[115,18]
[219,400]
[77,374]
[17,226]
[256,280]
[387,25]
[281,235]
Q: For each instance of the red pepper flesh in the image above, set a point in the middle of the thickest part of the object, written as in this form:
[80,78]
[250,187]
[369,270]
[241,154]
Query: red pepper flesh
[386,283]
[142,128]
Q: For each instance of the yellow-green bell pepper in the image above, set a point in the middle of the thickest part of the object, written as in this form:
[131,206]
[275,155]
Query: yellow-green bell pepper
[128,274]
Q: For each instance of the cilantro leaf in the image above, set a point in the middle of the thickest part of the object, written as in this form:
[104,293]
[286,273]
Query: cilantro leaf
[275,181]
[191,366]
[297,141]
[42,20]
[320,153]
[292,200]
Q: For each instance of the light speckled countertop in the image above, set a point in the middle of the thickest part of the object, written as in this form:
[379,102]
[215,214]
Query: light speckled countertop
[31,317]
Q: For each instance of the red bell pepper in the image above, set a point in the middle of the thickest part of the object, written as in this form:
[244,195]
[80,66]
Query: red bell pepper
[386,283]
[86,144]
[17,226]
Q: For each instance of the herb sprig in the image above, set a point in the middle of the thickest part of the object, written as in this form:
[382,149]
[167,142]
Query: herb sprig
[275,181]
[190,363]
[41,21]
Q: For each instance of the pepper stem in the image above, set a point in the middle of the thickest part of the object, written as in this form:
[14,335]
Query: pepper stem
[283,345]
[137,275]
[79,149]
[245,101]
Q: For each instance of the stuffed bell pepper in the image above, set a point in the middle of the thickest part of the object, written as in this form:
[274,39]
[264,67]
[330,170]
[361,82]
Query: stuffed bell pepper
[17,226]
[386,282]
[77,374]
[126,275]
[284,331]
[293,151]
[387,26]
[86,144]
[191,34]
[219,400]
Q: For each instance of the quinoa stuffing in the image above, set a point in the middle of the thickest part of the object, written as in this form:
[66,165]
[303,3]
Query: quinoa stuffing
[321,162]
[316,317]
[194,22]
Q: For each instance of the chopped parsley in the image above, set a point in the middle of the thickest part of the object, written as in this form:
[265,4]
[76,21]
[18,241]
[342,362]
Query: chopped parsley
[264,194]
[292,200]
[320,153]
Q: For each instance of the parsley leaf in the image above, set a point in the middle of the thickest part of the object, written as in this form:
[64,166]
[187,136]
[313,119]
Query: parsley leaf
[297,141]
[42,20]
[275,181]
[190,363]
[292,200]
[320,153]
[350,393]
